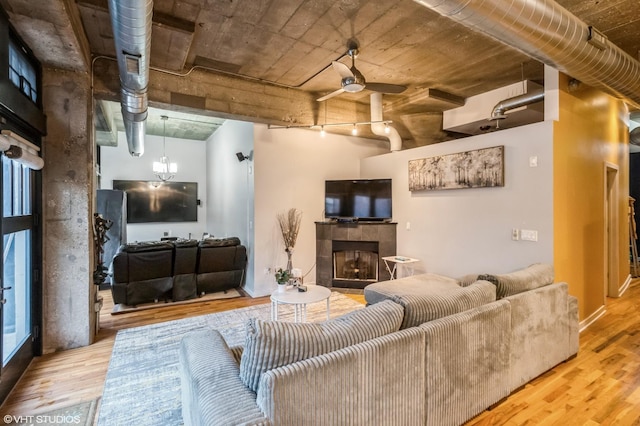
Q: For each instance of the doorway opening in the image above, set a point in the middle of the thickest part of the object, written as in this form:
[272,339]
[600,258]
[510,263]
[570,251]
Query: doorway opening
[612,232]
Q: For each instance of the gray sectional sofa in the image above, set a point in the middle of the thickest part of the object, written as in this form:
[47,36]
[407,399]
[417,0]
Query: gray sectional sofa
[427,350]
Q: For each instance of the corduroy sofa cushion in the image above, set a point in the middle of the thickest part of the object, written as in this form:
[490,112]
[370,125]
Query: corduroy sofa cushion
[271,344]
[529,278]
[467,280]
[427,297]
[212,392]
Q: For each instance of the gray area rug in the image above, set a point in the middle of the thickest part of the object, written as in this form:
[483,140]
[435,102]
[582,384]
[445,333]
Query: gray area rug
[142,386]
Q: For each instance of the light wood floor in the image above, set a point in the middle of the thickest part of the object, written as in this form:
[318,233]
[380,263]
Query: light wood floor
[599,387]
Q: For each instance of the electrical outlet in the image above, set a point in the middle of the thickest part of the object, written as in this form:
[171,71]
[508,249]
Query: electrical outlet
[408,226]
[515,234]
[528,235]
[533,161]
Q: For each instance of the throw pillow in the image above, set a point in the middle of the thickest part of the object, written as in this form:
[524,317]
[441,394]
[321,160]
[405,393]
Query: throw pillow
[271,344]
[529,278]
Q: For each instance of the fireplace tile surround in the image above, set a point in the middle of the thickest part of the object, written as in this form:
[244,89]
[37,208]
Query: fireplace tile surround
[384,233]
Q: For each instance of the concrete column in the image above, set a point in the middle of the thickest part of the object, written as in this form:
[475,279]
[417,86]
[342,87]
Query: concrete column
[68,188]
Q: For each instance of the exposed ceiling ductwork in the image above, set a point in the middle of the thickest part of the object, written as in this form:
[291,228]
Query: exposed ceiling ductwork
[634,136]
[380,129]
[498,112]
[546,31]
[131,22]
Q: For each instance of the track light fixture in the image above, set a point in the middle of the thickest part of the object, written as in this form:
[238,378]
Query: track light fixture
[354,129]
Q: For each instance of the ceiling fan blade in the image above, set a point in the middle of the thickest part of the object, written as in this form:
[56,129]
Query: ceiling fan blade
[342,69]
[330,95]
[385,87]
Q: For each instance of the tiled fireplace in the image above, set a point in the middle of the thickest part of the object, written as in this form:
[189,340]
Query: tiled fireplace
[349,255]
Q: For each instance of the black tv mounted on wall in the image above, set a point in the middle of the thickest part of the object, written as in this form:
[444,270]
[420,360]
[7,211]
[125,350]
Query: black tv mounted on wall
[149,201]
[358,199]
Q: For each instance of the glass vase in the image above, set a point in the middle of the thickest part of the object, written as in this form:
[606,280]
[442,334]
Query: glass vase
[289,263]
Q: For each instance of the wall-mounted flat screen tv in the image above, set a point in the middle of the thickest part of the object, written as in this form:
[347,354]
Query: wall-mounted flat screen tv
[359,199]
[149,201]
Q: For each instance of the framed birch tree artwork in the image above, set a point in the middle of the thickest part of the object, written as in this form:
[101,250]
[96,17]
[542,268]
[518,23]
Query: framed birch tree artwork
[479,168]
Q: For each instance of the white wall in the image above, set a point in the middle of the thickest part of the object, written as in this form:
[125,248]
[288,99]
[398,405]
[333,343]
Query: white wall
[230,185]
[455,232]
[290,169]
[117,164]
[452,232]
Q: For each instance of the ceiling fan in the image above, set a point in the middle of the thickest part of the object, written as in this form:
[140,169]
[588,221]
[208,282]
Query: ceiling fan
[353,81]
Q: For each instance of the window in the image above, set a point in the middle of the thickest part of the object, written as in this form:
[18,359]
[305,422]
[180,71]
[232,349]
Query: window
[17,257]
[22,73]
[17,308]
[16,180]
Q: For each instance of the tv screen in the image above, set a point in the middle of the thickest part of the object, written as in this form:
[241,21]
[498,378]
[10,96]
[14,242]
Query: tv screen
[160,202]
[362,199]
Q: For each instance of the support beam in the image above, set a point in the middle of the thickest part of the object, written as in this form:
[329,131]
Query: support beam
[230,97]
[68,191]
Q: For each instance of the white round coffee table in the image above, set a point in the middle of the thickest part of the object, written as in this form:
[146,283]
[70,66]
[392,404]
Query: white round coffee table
[299,300]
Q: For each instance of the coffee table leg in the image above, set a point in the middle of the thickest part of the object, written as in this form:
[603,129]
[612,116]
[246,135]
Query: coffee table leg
[304,312]
[328,309]
[274,310]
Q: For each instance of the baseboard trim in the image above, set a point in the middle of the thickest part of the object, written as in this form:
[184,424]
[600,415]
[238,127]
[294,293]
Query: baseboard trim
[624,286]
[585,323]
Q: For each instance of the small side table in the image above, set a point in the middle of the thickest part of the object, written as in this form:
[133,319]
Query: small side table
[299,300]
[395,261]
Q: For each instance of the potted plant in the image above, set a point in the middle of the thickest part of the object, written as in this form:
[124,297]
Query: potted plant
[282,278]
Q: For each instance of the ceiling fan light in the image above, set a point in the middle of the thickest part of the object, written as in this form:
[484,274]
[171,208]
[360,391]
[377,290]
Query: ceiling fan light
[322,132]
[354,131]
[352,84]
[353,88]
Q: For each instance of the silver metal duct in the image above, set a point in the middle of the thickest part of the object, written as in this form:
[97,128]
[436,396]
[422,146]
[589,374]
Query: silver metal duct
[131,22]
[380,129]
[499,110]
[634,136]
[551,34]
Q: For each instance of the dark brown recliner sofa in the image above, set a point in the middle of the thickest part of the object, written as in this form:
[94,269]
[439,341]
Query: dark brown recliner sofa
[176,270]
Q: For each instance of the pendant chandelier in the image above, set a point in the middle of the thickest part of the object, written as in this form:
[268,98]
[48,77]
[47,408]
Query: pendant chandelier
[164,169]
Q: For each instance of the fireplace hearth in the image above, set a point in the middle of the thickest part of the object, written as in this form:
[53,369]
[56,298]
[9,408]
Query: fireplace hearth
[348,255]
